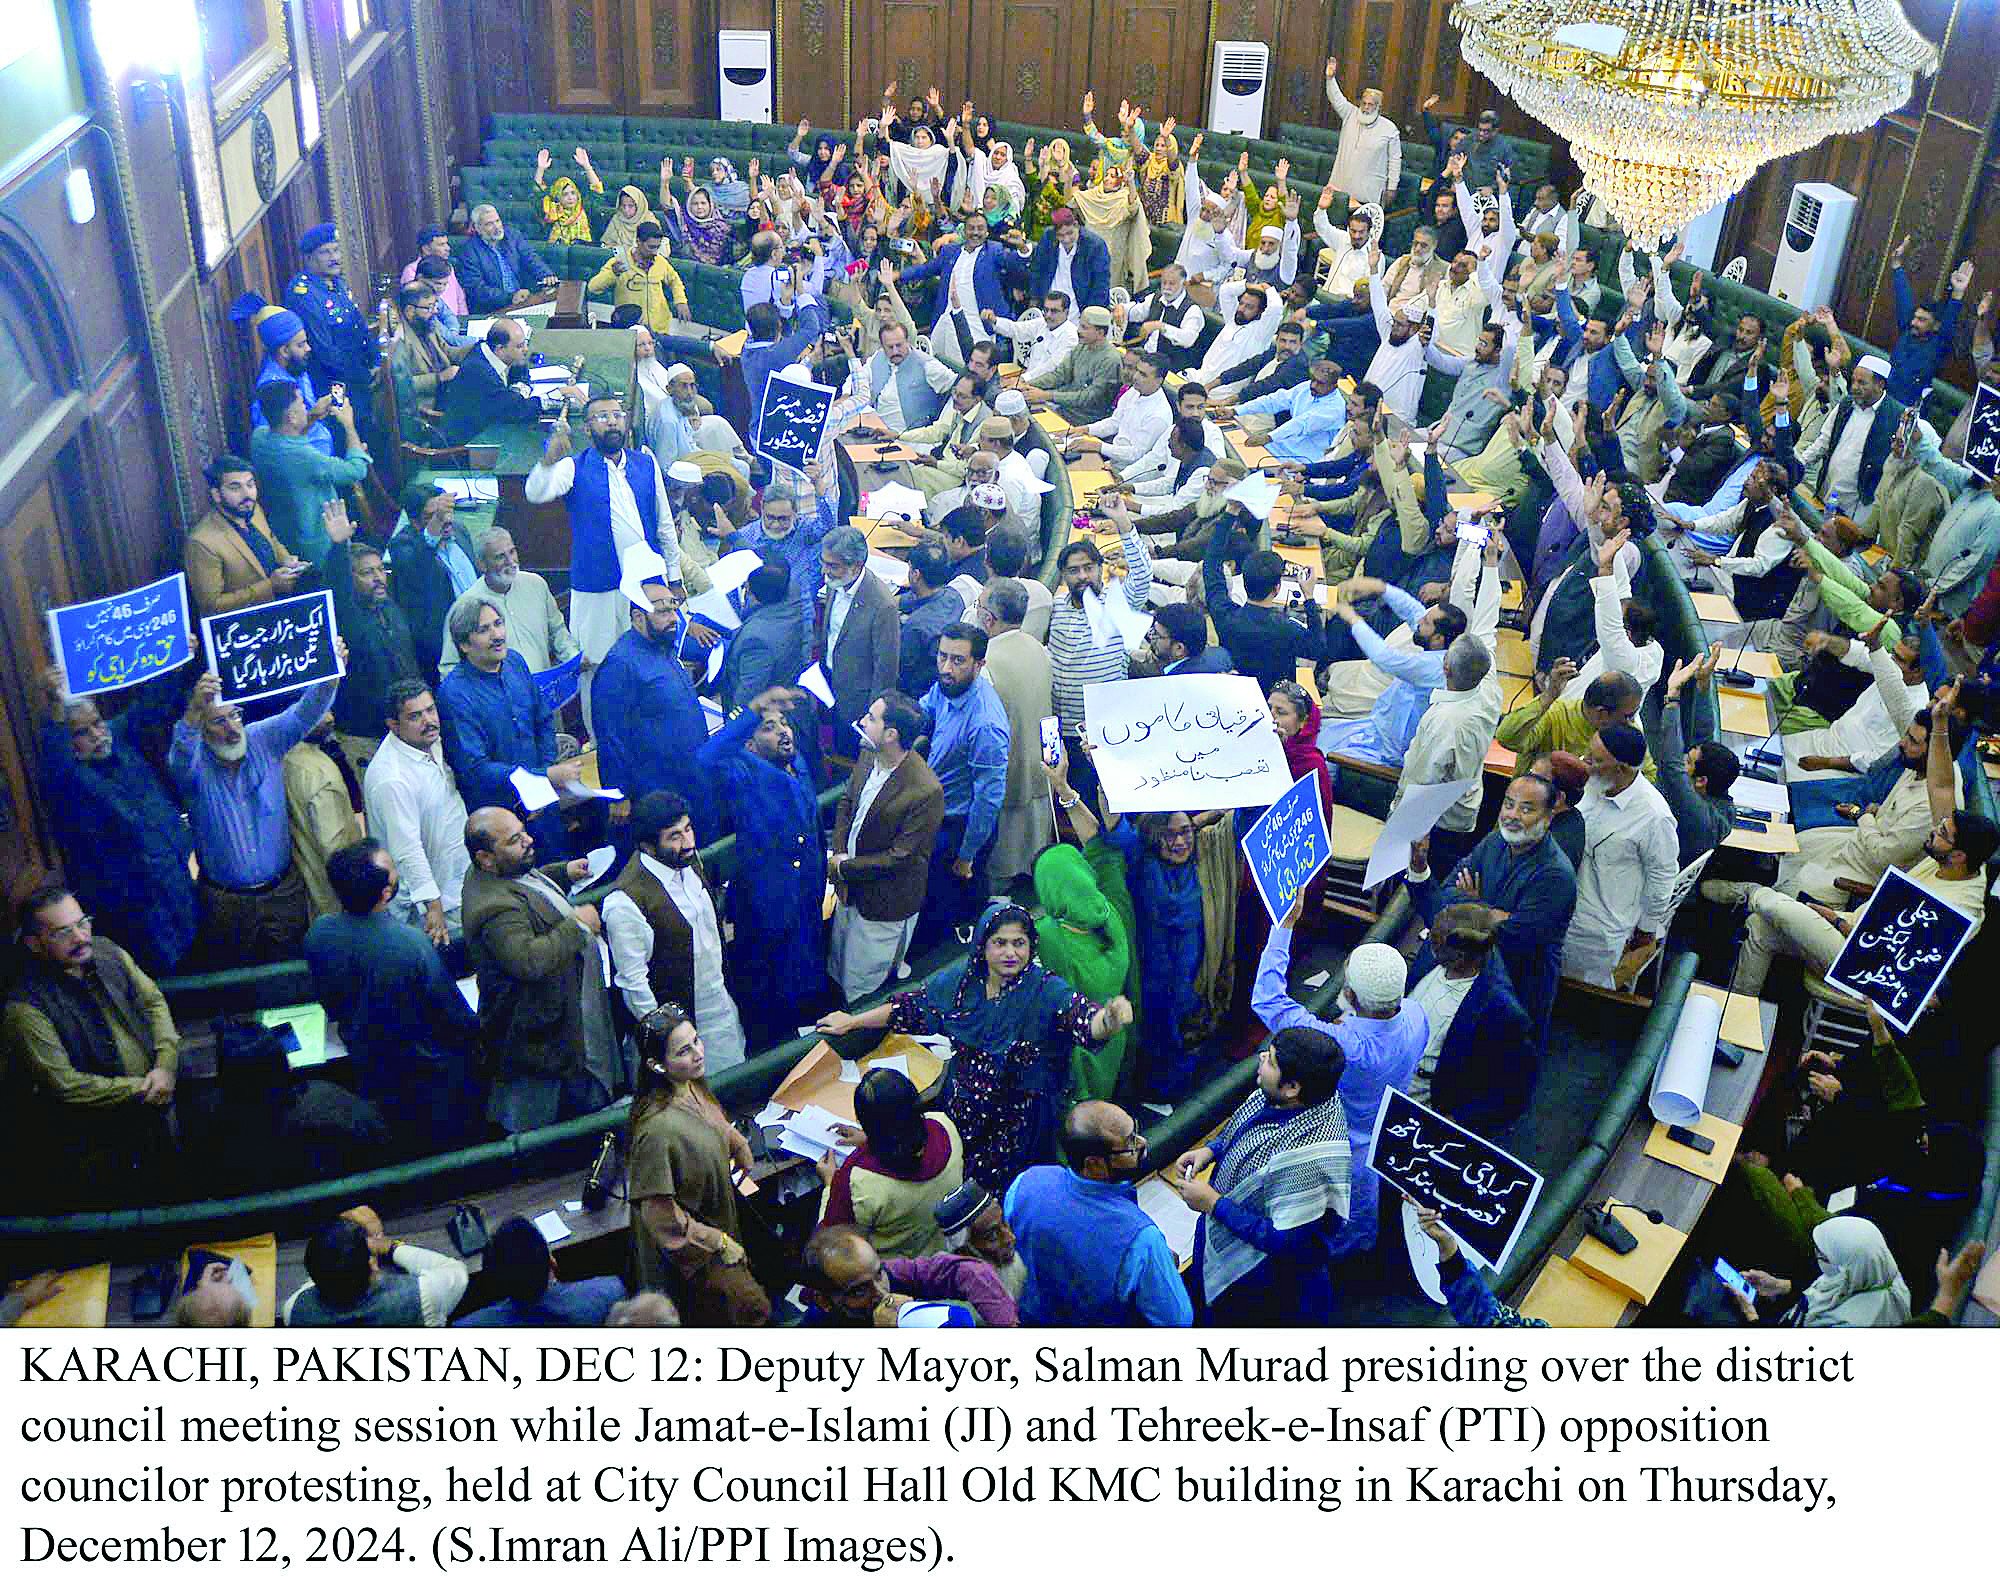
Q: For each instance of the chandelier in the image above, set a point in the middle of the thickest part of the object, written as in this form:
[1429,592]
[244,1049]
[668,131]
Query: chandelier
[1669,106]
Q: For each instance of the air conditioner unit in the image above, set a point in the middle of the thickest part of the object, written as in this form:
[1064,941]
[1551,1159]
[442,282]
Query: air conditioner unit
[1814,245]
[743,58]
[1238,76]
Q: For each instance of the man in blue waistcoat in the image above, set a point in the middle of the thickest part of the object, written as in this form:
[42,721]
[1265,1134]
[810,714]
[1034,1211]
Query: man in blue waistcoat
[617,498]
[650,725]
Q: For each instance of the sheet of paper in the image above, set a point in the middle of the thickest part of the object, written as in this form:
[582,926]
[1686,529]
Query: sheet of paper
[813,681]
[850,1072]
[1756,794]
[1843,1200]
[1409,821]
[817,1124]
[891,571]
[469,989]
[1315,980]
[713,606]
[894,501]
[718,654]
[536,791]
[307,1021]
[733,569]
[599,860]
[576,792]
[572,1205]
[552,1226]
[1171,1215]
[712,711]
[900,1063]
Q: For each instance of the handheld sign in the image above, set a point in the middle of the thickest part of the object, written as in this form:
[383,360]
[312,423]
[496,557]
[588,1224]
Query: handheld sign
[1191,742]
[1900,948]
[793,420]
[122,640]
[1982,432]
[560,683]
[1483,1194]
[1288,845]
[273,647]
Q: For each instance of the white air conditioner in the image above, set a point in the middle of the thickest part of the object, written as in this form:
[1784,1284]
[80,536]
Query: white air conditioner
[743,58]
[1814,245]
[1238,77]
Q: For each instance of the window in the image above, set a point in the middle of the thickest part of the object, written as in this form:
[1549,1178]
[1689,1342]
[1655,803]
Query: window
[356,18]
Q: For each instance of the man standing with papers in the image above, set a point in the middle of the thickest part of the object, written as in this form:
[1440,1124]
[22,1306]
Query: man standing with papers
[649,720]
[499,735]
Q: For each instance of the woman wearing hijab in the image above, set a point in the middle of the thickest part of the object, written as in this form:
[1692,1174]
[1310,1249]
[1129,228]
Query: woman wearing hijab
[996,185]
[1110,207]
[1858,1286]
[1161,189]
[1084,937]
[731,195]
[1280,1191]
[686,1241]
[1295,715]
[1051,184]
[1012,1025]
[563,208]
[621,230]
[1170,904]
[891,1186]
[700,229]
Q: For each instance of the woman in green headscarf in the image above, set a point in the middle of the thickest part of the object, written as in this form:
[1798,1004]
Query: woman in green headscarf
[1082,937]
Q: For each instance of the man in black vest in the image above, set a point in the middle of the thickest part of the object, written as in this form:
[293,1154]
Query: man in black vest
[1844,460]
[91,1053]
[1168,322]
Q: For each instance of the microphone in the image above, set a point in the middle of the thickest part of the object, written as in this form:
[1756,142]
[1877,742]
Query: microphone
[1614,1234]
[1732,674]
[603,1171]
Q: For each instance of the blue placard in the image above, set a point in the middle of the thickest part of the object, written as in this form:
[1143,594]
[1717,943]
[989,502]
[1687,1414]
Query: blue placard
[271,648]
[793,421]
[124,639]
[1288,845]
[1900,948]
[560,683]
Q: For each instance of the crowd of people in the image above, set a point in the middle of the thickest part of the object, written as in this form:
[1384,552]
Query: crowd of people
[1088,970]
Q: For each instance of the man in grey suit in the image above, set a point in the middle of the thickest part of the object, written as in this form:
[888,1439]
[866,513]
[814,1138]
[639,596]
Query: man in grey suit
[857,634]
[770,647]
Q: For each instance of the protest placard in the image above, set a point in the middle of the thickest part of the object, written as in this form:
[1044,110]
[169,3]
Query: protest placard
[1192,742]
[123,639]
[1288,844]
[1982,432]
[1900,948]
[1480,1192]
[273,647]
[794,418]
[560,683]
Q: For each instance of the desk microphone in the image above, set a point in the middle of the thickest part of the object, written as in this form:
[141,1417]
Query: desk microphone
[597,1182]
[1732,674]
[1614,1234]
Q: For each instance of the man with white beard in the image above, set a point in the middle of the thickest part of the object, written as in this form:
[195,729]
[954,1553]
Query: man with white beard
[1370,160]
[535,626]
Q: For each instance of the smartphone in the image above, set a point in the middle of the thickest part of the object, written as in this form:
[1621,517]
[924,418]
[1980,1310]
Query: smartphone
[1732,1278]
[1694,1141]
[1051,741]
[1479,533]
[782,277]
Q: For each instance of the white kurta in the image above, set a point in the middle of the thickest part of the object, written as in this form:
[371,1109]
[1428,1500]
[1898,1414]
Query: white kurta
[1631,856]
[631,942]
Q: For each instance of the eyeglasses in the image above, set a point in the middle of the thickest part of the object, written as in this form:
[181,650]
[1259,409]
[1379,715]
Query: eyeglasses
[1135,1144]
[63,933]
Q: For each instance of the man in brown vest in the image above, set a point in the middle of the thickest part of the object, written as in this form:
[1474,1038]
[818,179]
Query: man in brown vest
[879,855]
[666,942]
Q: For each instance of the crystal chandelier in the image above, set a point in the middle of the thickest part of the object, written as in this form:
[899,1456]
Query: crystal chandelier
[1671,105]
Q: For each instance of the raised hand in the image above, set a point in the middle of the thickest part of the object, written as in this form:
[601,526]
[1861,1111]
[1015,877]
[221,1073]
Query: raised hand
[1089,103]
[1430,103]
[1332,68]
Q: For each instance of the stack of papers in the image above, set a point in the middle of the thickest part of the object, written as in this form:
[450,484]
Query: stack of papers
[810,1133]
[1755,794]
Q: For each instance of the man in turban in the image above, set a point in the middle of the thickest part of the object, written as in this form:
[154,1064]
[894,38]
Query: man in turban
[287,359]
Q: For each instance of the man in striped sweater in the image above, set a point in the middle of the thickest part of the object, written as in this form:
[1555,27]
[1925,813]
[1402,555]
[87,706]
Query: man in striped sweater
[1086,644]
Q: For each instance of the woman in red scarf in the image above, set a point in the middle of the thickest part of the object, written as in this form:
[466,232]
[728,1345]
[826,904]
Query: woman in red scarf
[890,1187]
[1296,717]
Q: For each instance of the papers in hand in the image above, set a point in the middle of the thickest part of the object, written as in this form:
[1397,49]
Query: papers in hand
[536,791]
[1412,819]
[813,681]
[600,861]
[733,569]
[810,1133]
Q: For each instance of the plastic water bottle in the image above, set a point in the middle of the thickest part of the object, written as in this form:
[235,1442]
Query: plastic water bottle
[1832,502]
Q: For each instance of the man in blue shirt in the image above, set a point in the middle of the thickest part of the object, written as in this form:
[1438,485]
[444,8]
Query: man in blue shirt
[770,345]
[287,359]
[496,722]
[1385,734]
[344,347]
[970,739]
[1094,1257]
[784,534]
[1306,419]
[1924,333]
[649,720]
[518,1266]
[409,1032]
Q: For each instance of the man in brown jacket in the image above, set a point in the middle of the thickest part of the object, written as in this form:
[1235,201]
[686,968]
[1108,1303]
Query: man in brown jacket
[661,925]
[880,852]
[232,559]
[857,633]
[550,1046]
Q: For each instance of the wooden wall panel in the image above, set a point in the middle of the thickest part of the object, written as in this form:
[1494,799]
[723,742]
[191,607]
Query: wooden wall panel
[586,38]
[1025,62]
[915,44]
[1154,53]
[813,65]
[670,57]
